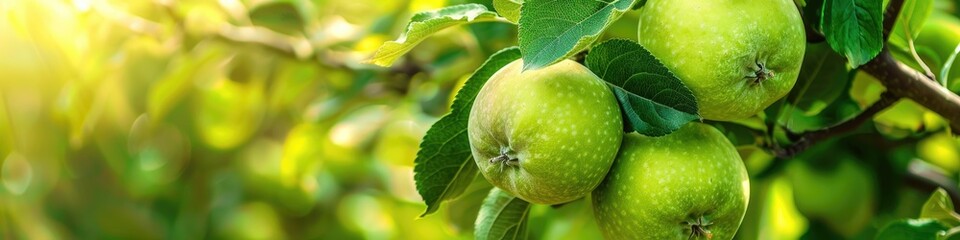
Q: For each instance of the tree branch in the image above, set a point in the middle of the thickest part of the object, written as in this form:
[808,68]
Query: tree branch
[890,17]
[808,139]
[903,81]
[926,179]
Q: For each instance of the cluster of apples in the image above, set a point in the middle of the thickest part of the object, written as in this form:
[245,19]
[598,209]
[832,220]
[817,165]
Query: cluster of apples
[555,134]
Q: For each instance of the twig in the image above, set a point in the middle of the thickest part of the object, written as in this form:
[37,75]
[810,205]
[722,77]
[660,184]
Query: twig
[903,81]
[808,139]
[926,179]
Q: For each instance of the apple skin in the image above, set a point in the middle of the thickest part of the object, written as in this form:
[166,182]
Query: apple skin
[658,186]
[715,47]
[547,136]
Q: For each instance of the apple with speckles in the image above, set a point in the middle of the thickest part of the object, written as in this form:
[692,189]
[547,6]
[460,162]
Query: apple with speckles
[737,57]
[547,136]
[690,184]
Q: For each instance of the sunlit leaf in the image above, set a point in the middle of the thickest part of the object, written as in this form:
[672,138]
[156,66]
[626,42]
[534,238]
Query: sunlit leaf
[424,24]
[940,207]
[509,9]
[553,30]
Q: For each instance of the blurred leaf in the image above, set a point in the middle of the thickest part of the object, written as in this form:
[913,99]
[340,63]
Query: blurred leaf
[947,66]
[822,79]
[940,207]
[502,216]
[509,9]
[913,229]
[168,92]
[654,101]
[853,28]
[281,16]
[547,36]
[812,12]
[462,212]
[424,24]
[444,165]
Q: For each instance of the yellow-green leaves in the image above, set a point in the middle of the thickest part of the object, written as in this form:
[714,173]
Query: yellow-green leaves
[509,9]
[424,24]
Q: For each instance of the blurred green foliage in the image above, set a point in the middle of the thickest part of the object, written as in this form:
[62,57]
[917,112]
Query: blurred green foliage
[256,119]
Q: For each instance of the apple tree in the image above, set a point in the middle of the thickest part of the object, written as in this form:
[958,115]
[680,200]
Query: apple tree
[836,117]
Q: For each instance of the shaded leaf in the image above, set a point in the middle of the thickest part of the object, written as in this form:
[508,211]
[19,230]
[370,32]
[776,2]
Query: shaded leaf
[424,24]
[444,166]
[553,30]
[912,16]
[502,216]
[654,102]
[854,28]
[913,229]
[822,79]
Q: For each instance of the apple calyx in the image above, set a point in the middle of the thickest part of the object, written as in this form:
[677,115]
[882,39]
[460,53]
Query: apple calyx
[760,72]
[698,228]
[505,158]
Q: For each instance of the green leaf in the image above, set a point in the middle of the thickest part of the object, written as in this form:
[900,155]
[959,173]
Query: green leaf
[280,16]
[854,28]
[502,216]
[947,66]
[912,229]
[940,207]
[552,30]
[822,80]
[509,9]
[912,16]
[444,166]
[654,102]
[424,24]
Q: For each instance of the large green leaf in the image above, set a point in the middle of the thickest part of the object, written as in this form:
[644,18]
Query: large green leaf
[822,79]
[509,9]
[502,216]
[912,229]
[940,207]
[552,30]
[444,166]
[854,28]
[424,24]
[654,102]
[911,19]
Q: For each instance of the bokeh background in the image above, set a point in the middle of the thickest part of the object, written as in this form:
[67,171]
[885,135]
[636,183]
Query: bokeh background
[257,119]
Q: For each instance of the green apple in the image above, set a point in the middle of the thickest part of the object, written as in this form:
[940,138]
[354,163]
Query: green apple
[547,136]
[843,198]
[688,184]
[737,57]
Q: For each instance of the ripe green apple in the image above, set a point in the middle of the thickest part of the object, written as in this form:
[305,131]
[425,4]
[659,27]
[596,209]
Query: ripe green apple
[737,57]
[547,136]
[688,184]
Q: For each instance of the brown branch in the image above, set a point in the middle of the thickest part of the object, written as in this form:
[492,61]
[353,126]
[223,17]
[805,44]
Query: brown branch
[890,17]
[926,179]
[808,139]
[903,81]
